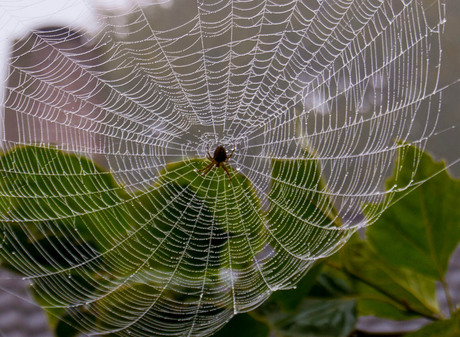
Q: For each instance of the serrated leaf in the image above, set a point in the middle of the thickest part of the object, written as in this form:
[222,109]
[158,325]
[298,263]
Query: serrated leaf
[421,230]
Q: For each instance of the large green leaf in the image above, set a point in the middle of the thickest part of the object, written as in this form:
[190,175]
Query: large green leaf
[235,207]
[422,229]
[55,199]
[301,215]
[235,222]
[408,248]
[386,290]
[61,213]
[191,231]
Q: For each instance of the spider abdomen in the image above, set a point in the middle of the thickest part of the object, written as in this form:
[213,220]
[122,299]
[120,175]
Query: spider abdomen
[220,155]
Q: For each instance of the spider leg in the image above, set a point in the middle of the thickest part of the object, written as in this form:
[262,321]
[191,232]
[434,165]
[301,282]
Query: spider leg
[209,168]
[206,169]
[209,155]
[226,171]
[233,150]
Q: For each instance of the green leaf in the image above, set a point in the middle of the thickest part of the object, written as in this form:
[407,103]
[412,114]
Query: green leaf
[235,219]
[69,223]
[51,194]
[421,230]
[333,317]
[175,233]
[444,328]
[191,233]
[243,325]
[226,199]
[178,242]
[385,290]
[60,213]
[301,215]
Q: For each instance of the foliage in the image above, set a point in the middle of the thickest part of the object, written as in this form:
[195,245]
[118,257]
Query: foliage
[391,273]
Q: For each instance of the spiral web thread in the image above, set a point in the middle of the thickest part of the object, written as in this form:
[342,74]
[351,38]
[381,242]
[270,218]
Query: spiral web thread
[157,84]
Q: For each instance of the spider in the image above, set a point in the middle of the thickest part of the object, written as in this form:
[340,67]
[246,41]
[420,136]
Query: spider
[219,159]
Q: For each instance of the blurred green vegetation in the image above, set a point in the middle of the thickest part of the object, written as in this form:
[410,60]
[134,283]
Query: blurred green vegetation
[69,224]
[389,271]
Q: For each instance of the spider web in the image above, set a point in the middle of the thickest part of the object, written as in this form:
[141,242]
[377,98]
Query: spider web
[315,97]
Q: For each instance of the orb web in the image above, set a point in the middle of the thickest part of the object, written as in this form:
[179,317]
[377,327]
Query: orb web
[104,131]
